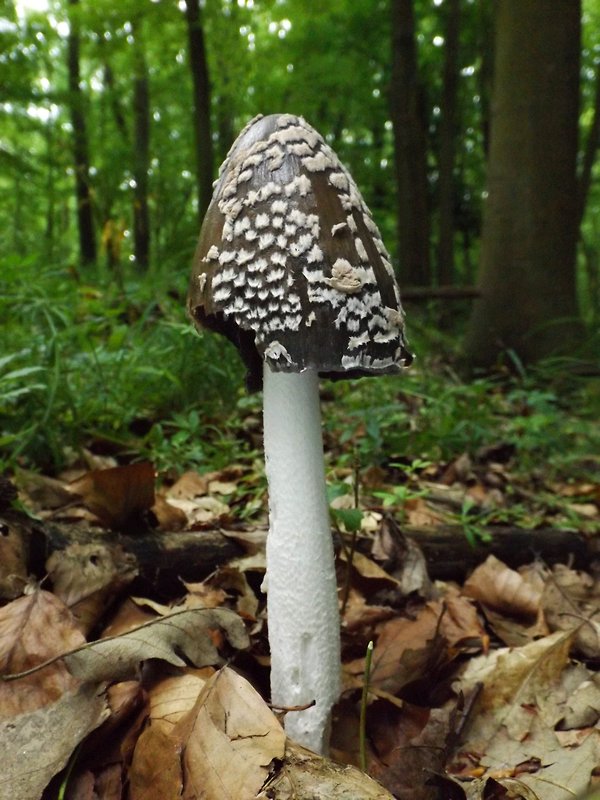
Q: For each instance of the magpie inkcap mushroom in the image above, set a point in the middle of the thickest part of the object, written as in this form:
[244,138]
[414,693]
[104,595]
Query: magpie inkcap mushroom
[290,265]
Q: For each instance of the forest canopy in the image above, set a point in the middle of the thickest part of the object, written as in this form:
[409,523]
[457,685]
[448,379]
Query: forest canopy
[471,129]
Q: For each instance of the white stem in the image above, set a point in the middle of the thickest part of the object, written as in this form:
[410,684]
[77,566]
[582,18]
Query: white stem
[304,627]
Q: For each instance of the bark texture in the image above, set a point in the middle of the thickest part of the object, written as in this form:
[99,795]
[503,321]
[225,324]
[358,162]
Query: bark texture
[527,271]
[141,154]
[83,195]
[410,152]
[447,133]
[201,103]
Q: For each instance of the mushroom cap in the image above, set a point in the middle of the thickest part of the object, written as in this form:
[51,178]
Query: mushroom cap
[290,265]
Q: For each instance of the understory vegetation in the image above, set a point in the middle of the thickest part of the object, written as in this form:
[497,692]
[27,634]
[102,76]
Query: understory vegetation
[121,371]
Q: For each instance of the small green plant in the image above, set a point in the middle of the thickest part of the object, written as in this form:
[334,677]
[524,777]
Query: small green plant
[473,524]
[402,493]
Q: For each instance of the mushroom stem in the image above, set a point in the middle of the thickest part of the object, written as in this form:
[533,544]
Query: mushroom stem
[303,616]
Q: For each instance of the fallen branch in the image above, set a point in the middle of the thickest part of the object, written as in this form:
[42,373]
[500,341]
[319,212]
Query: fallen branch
[164,558]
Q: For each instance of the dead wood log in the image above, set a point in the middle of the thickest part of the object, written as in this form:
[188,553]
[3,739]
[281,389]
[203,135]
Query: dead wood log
[163,559]
[450,556]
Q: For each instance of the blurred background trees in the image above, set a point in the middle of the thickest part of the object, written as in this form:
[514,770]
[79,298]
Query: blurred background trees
[471,127]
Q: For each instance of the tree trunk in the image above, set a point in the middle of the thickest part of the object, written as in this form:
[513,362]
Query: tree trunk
[591,148]
[202,123]
[141,154]
[85,219]
[527,271]
[447,139]
[406,108]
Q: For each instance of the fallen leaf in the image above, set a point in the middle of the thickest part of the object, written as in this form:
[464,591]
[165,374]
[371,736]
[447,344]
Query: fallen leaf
[360,614]
[420,514]
[518,685]
[129,615]
[190,485]
[87,577]
[410,744]
[369,569]
[570,598]
[24,643]
[407,649]
[187,632]
[13,558]
[156,771]
[231,739]
[41,491]
[36,745]
[503,589]
[202,511]
[171,697]
[401,558]
[168,517]
[460,623]
[117,495]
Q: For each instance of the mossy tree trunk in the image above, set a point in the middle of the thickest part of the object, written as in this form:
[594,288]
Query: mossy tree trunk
[527,270]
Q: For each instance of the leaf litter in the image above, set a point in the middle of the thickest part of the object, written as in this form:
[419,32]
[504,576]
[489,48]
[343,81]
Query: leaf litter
[118,688]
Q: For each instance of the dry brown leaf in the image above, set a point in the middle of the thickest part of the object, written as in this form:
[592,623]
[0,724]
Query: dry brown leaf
[156,772]
[253,540]
[81,786]
[190,485]
[36,745]
[582,709]
[168,517]
[358,613]
[87,577]
[119,494]
[496,585]
[173,696]
[109,783]
[202,511]
[571,600]
[222,487]
[368,569]
[520,686]
[203,595]
[231,739]
[129,615]
[411,744]
[25,625]
[407,649]
[187,632]
[460,624]
[13,558]
[402,558]
[226,580]
[42,492]
[419,513]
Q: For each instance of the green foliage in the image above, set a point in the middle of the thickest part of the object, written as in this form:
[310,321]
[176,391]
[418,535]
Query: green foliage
[90,362]
[103,357]
[431,414]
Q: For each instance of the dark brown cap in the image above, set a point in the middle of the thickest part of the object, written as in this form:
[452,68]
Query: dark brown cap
[290,265]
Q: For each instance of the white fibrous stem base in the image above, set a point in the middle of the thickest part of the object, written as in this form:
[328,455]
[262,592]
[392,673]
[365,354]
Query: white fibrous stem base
[303,616]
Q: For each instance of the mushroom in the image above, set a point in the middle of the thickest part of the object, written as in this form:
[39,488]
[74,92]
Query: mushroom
[291,268]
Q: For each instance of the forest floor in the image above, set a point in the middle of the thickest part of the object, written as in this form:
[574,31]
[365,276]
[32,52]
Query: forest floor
[474,576]
[465,516]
